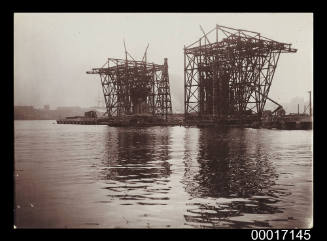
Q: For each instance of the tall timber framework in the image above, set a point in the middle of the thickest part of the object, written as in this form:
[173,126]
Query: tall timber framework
[135,87]
[228,72]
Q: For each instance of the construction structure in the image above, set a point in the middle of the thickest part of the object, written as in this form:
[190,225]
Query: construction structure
[308,106]
[132,87]
[228,73]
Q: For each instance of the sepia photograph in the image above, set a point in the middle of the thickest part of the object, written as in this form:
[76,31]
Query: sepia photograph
[163,120]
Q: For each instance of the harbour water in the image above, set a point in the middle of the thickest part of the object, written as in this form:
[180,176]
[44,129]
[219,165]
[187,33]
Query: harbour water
[95,176]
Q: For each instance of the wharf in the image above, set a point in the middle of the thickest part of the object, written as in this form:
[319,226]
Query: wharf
[289,122]
[143,121]
[83,121]
[125,121]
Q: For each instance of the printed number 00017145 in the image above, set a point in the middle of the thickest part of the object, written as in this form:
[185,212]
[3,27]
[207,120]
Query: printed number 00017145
[280,234]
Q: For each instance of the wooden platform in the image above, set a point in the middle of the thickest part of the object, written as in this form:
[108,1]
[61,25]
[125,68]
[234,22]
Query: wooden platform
[83,121]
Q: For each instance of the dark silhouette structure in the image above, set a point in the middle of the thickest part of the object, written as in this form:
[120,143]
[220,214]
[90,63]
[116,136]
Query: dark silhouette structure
[132,87]
[231,75]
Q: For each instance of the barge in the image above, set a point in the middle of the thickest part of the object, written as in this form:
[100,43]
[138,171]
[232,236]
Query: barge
[89,118]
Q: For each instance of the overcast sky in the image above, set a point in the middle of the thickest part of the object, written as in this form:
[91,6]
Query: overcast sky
[53,51]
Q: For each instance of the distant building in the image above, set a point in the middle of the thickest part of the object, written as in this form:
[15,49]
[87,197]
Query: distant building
[30,113]
[25,113]
[24,108]
[91,114]
[65,111]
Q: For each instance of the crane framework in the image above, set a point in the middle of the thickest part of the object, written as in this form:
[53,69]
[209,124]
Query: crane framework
[230,75]
[135,87]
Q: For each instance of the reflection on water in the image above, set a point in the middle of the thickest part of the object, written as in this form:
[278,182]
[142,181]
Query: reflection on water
[136,167]
[161,177]
[236,176]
